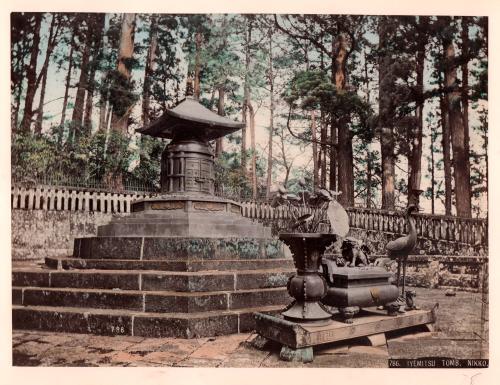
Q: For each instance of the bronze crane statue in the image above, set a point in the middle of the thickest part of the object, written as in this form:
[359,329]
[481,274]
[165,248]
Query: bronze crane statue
[401,247]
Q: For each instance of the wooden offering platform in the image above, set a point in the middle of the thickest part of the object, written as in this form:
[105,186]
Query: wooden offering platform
[298,339]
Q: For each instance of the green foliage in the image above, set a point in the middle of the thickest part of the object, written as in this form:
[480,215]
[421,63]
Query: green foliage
[31,156]
[310,90]
[148,169]
[313,90]
[229,178]
[38,158]
[121,92]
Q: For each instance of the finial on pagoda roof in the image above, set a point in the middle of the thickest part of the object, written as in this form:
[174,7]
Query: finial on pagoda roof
[189,87]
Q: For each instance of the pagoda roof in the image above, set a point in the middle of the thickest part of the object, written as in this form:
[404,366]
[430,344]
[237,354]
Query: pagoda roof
[190,115]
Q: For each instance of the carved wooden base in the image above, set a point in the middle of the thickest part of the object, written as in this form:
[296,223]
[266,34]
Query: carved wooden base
[372,324]
[376,339]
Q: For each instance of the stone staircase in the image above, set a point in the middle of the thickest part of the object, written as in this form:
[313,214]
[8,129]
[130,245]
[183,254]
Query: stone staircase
[112,287]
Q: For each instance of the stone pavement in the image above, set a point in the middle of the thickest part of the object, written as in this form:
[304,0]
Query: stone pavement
[458,336]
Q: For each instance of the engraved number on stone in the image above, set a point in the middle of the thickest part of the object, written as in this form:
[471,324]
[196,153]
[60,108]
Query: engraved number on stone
[117,329]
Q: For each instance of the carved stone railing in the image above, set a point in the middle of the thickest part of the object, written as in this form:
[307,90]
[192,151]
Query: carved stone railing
[465,231]
[468,231]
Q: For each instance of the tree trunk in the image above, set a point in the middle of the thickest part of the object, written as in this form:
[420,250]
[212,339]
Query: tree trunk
[119,123]
[433,177]
[148,72]
[97,45]
[388,166]
[314,150]
[89,103]
[243,154]
[43,75]
[220,110]
[345,166]
[18,70]
[17,107]
[66,91]
[31,77]
[246,98]
[465,86]
[461,166]
[77,117]
[369,175]
[107,121]
[251,114]
[415,161]
[333,157]
[39,116]
[287,175]
[385,123]
[344,151]
[323,139]
[197,66]
[445,127]
[104,94]
[271,119]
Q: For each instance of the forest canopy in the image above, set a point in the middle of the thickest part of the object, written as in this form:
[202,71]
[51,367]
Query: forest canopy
[382,108]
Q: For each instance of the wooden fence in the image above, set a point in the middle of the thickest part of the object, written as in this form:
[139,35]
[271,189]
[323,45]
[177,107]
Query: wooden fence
[58,198]
[437,227]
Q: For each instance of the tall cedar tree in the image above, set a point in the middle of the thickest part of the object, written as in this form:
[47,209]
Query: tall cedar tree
[461,163]
[387,143]
[31,75]
[54,29]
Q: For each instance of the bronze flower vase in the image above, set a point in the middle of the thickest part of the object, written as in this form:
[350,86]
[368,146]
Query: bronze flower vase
[308,287]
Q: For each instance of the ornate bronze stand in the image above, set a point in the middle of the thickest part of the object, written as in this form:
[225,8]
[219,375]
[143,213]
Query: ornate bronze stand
[307,287]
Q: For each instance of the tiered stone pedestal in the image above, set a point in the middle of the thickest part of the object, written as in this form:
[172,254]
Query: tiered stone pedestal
[149,275]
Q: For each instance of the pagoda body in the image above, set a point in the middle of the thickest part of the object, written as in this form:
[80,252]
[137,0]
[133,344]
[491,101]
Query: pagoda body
[187,164]
[185,263]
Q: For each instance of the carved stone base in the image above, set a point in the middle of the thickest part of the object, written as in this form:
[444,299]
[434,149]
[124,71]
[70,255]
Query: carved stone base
[184,215]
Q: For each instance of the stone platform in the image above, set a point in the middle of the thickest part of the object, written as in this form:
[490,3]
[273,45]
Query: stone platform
[163,286]
[153,298]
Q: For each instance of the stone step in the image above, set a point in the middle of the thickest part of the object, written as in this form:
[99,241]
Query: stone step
[122,322]
[149,280]
[149,301]
[163,265]
[175,248]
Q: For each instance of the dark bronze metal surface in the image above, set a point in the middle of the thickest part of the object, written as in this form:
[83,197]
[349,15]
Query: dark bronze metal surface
[307,287]
[187,163]
[190,119]
[187,166]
